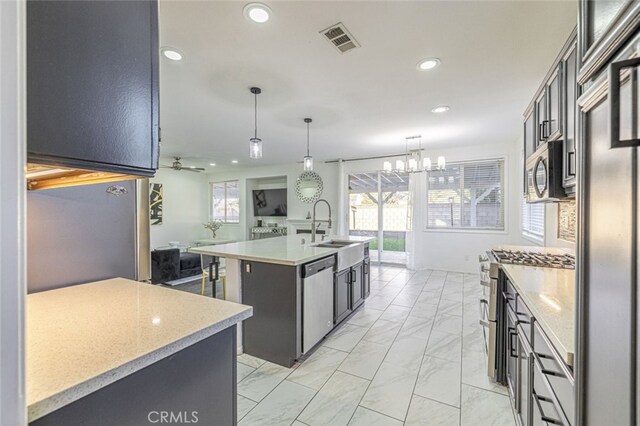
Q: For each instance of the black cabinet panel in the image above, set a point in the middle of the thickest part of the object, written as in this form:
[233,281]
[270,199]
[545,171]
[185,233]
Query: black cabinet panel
[342,295]
[357,286]
[275,293]
[200,378]
[367,277]
[92,84]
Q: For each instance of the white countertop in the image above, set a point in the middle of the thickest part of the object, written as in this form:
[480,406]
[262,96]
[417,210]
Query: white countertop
[536,249]
[82,338]
[286,250]
[550,295]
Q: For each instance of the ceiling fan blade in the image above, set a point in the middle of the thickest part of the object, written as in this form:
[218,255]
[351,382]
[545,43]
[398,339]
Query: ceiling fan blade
[189,169]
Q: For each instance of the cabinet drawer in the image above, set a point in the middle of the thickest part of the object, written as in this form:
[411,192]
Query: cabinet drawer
[558,376]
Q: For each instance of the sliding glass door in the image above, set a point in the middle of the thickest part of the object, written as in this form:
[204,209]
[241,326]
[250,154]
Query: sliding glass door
[379,208]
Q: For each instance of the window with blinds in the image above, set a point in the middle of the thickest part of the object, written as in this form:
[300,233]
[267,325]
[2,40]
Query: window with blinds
[225,201]
[532,220]
[467,195]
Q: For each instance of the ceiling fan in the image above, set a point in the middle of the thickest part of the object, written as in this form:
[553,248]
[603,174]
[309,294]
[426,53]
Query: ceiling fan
[177,165]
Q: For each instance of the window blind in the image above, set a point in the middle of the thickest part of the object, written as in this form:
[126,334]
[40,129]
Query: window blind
[467,195]
[225,201]
[533,219]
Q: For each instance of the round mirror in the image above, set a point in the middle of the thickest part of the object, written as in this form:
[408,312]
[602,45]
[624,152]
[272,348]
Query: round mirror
[309,187]
[541,177]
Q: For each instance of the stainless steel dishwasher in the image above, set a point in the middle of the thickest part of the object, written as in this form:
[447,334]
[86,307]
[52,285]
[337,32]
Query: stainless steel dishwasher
[317,296]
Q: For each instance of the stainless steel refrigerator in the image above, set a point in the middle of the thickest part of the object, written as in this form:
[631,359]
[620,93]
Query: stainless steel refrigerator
[607,371]
[87,233]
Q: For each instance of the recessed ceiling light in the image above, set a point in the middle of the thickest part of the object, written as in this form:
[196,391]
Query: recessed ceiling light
[192,167]
[257,12]
[440,109]
[234,161]
[427,64]
[172,54]
[212,164]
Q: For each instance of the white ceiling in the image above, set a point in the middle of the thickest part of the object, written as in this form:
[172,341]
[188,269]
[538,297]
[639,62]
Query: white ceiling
[364,102]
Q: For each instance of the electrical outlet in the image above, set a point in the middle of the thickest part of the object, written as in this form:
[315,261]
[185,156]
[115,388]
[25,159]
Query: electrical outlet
[247,268]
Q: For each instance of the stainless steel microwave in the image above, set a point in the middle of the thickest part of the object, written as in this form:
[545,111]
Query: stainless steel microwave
[544,174]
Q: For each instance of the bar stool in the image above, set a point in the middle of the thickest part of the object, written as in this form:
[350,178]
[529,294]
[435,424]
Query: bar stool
[206,262]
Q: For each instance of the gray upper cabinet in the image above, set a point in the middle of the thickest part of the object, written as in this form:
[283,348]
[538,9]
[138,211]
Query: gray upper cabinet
[554,104]
[551,114]
[542,123]
[571,91]
[92,85]
[604,27]
[530,142]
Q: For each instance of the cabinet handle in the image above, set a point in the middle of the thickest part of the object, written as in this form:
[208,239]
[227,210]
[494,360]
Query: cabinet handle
[571,164]
[512,334]
[614,103]
[522,321]
[553,398]
[537,398]
[544,131]
[541,131]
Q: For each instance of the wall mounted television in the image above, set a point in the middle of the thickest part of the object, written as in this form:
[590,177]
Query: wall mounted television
[270,202]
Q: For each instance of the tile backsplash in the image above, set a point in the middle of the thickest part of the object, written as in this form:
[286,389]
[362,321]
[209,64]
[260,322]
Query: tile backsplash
[567,221]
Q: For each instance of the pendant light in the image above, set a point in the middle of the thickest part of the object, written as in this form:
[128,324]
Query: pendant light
[255,143]
[308,159]
[413,161]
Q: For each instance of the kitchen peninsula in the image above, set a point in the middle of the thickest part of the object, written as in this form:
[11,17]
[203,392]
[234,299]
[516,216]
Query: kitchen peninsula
[138,347]
[299,290]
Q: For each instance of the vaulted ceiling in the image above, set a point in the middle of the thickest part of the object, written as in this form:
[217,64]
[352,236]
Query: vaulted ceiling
[364,102]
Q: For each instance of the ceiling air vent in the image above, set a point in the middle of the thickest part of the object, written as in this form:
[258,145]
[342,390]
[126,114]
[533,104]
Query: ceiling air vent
[340,38]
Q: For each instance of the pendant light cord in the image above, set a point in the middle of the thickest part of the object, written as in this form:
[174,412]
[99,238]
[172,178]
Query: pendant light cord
[307,139]
[256,116]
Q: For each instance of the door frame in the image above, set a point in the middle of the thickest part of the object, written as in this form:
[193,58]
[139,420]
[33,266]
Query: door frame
[12,212]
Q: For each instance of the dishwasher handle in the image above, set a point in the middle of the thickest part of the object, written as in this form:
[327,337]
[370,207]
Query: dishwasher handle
[313,268]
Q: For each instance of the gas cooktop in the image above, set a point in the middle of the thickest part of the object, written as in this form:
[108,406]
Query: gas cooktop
[529,258]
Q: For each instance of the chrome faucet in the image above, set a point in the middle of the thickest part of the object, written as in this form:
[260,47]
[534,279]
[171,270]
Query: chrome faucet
[313,220]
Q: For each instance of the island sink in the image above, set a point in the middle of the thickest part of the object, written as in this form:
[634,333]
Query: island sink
[349,252]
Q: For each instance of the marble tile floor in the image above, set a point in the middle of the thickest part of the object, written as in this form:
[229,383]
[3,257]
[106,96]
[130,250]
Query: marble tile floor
[414,356]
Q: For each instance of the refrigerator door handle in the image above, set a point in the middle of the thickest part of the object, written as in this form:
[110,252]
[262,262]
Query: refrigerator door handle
[614,102]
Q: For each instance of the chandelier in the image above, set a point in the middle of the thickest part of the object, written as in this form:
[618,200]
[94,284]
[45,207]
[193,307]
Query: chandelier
[413,161]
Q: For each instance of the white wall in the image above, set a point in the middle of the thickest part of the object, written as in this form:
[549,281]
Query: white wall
[459,250]
[12,214]
[295,208]
[185,207]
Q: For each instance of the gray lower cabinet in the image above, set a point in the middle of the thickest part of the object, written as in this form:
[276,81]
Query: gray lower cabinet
[541,385]
[367,277]
[195,385]
[350,289]
[274,332]
[342,295]
[357,285]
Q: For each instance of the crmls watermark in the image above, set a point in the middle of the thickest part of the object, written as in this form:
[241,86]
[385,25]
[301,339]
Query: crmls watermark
[173,417]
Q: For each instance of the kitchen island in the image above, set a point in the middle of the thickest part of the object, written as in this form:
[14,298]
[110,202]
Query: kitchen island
[273,276]
[119,352]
